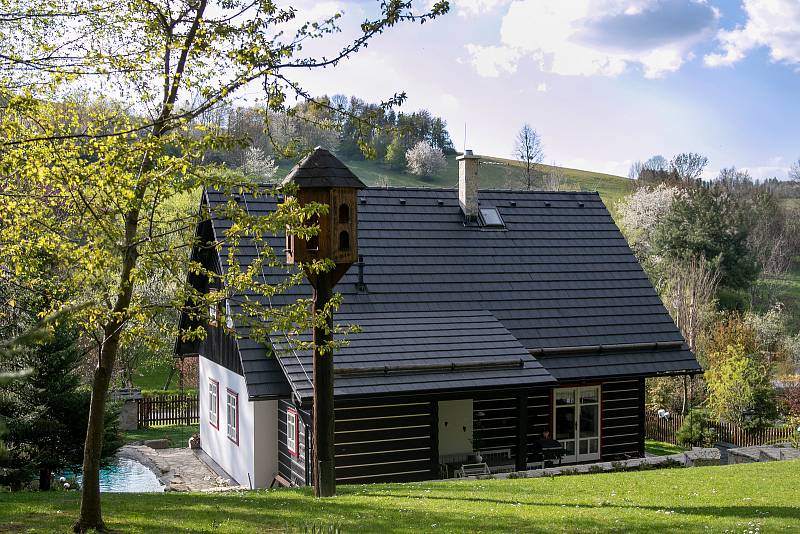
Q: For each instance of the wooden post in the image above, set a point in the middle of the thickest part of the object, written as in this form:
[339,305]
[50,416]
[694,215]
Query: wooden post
[522,431]
[323,415]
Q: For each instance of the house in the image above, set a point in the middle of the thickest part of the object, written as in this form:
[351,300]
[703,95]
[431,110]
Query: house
[490,320]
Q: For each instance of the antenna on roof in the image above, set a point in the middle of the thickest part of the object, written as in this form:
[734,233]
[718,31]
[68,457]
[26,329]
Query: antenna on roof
[465,136]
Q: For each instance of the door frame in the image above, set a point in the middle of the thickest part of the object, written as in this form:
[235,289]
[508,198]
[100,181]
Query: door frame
[577,457]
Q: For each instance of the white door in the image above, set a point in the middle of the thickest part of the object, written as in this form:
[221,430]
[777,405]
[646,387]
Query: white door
[576,418]
[455,427]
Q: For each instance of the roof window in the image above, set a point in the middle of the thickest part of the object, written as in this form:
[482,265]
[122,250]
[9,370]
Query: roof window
[491,218]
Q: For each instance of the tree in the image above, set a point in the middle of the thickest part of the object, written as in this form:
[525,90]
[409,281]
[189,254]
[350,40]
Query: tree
[554,178]
[739,373]
[709,223]
[396,153]
[641,212]
[794,172]
[689,297]
[656,163]
[259,166]
[529,150]
[688,166]
[47,410]
[85,178]
[425,160]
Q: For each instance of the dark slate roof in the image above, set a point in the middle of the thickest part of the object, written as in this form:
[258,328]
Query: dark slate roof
[431,351]
[559,275]
[619,364]
[322,169]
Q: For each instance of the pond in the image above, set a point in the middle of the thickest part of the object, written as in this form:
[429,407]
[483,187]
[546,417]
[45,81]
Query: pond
[127,475]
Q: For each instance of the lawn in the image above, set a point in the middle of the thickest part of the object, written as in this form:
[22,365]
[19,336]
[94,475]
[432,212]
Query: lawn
[661,448]
[178,435]
[761,497]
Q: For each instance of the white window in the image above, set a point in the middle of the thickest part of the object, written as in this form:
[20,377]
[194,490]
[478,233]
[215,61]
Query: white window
[233,416]
[213,402]
[212,314]
[291,431]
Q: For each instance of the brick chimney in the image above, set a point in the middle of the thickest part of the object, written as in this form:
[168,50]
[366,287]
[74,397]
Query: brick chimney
[468,184]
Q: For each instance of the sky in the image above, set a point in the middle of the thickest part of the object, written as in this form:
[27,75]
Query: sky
[604,82]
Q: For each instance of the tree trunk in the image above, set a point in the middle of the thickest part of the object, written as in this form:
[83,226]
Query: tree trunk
[44,479]
[90,513]
[324,460]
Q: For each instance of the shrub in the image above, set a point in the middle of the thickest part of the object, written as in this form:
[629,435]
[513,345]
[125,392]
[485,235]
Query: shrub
[696,430]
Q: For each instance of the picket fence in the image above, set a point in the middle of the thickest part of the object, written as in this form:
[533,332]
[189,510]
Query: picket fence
[666,430]
[167,410]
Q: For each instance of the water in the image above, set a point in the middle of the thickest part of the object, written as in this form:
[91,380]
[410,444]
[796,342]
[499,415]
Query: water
[126,475]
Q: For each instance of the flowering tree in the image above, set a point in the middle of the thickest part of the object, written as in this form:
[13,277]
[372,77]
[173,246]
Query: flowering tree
[258,165]
[425,160]
[640,213]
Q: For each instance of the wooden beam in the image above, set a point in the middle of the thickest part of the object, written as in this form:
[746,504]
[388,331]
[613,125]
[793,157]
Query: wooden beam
[324,466]
[522,431]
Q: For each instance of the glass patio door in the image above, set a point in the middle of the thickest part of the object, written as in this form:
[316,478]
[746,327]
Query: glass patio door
[576,419]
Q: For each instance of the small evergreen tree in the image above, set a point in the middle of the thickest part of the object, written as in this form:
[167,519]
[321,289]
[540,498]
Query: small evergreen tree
[46,411]
[696,430]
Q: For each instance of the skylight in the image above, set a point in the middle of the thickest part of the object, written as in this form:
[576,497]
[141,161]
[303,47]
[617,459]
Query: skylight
[491,218]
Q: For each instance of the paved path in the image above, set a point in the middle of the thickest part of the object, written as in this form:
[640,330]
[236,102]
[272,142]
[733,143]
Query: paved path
[177,469]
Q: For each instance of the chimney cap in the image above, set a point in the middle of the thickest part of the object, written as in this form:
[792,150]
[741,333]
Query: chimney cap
[467,155]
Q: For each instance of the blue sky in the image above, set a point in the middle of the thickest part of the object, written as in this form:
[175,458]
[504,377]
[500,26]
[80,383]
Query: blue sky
[605,82]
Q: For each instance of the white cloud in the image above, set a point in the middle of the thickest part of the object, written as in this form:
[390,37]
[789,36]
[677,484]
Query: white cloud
[599,37]
[542,87]
[471,8]
[774,24]
[491,61]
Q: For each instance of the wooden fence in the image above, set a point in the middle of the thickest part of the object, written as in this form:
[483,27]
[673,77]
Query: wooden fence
[167,410]
[666,430]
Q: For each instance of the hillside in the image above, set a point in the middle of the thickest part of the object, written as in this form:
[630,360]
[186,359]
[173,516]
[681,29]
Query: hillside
[494,173]
[759,497]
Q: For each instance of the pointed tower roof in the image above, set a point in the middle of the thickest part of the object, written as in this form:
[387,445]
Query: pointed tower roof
[322,169]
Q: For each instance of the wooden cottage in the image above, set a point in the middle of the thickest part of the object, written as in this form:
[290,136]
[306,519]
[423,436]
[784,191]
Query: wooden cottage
[493,323]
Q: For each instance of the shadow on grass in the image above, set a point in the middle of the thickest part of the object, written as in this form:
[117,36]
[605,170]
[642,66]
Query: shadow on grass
[294,511]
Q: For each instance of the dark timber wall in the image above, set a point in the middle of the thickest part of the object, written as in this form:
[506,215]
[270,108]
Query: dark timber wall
[293,468]
[385,441]
[220,348]
[494,423]
[622,425]
[539,411]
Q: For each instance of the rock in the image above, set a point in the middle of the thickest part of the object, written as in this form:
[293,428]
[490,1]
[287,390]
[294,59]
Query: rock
[157,443]
[699,457]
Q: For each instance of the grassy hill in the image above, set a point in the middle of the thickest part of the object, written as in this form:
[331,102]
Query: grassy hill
[761,497]
[495,173]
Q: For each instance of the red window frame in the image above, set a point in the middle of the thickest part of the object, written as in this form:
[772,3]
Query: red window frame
[215,424]
[296,451]
[235,395]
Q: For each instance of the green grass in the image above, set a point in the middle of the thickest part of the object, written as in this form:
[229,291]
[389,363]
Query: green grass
[495,173]
[660,448]
[154,377]
[178,435]
[762,497]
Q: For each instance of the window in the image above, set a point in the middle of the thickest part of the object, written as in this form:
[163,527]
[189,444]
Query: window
[344,214]
[213,402]
[344,241]
[292,431]
[491,218]
[313,241]
[212,314]
[233,416]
